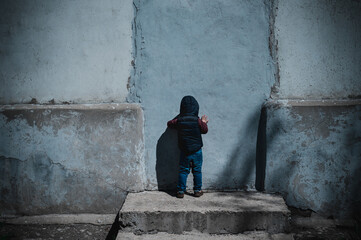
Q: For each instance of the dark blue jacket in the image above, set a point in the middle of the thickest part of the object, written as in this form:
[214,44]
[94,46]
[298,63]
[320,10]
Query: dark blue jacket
[188,125]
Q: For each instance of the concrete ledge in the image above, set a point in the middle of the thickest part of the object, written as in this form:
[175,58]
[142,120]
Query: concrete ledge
[100,106]
[95,219]
[316,102]
[215,212]
[204,236]
[312,155]
[63,159]
[309,222]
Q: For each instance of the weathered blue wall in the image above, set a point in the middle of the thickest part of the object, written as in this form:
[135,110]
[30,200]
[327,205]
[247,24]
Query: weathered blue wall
[313,155]
[65,51]
[313,144]
[69,159]
[231,55]
[318,49]
[218,52]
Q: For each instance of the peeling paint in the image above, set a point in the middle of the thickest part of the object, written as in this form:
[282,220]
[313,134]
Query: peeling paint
[324,173]
[70,160]
[273,48]
[138,42]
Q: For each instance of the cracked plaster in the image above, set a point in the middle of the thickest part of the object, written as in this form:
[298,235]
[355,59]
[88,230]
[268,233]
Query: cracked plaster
[69,160]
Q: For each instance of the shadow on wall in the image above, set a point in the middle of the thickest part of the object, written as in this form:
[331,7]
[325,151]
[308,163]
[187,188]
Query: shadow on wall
[243,164]
[264,142]
[240,168]
[261,150]
[167,160]
[353,143]
[284,171]
[317,174]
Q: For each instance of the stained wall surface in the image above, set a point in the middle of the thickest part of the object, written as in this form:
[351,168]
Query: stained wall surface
[59,156]
[69,159]
[319,48]
[231,55]
[313,156]
[313,145]
[65,51]
[218,52]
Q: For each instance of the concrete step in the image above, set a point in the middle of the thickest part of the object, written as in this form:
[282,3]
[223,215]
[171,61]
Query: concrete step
[205,236]
[214,213]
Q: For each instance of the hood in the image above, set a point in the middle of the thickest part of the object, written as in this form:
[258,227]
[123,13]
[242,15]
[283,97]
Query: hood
[189,106]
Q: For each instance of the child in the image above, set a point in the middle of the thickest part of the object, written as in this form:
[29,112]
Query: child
[190,128]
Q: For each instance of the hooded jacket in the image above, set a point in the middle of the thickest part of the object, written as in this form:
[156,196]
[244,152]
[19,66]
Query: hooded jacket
[189,126]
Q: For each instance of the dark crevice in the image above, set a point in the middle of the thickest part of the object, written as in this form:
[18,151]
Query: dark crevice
[261,150]
[113,232]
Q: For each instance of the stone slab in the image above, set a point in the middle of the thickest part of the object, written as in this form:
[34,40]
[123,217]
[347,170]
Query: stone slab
[200,236]
[71,158]
[313,151]
[95,219]
[214,212]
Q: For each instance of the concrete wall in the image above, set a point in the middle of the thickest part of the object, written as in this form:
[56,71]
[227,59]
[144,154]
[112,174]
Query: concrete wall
[231,55]
[218,52]
[313,156]
[65,51]
[69,159]
[313,146]
[319,48]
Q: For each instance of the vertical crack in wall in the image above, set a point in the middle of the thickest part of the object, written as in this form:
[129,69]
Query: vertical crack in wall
[134,81]
[273,48]
[133,95]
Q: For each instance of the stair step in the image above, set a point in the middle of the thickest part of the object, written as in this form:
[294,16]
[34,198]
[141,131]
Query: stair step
[214,213]
[204,236]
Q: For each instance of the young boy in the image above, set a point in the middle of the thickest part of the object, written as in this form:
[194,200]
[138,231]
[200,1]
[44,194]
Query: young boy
[190,128]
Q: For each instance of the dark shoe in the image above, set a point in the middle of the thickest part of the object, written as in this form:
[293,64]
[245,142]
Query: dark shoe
[180,195]
[198,193]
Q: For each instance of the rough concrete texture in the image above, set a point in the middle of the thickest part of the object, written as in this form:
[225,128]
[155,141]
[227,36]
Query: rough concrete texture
[301,228]
[313,157]
[203,236]
[218,52]
[95,219]
[53,232]
[65,51]
[318,48]
[69,158]
[214,212]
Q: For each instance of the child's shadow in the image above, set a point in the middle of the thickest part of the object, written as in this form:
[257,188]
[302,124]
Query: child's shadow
[167,161]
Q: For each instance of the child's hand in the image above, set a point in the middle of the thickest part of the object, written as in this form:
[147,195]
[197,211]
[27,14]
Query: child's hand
[204,119]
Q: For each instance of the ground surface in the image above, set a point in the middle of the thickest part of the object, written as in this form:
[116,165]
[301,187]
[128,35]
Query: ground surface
[50,232]
[304,225]
[210,201]
[88,231]
[201,236]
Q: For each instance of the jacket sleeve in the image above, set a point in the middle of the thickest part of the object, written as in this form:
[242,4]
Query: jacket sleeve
[203,126]
[172,123]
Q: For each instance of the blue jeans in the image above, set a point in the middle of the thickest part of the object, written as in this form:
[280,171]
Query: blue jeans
[187,162]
